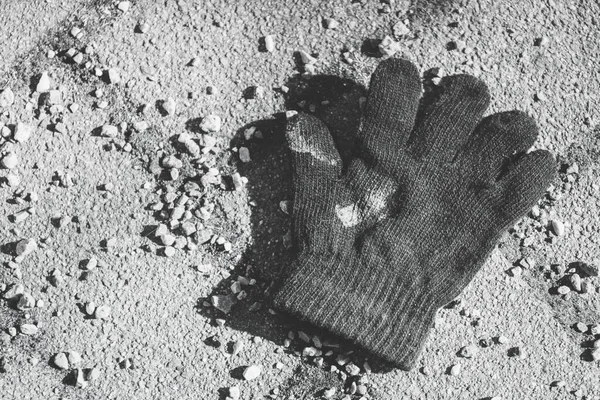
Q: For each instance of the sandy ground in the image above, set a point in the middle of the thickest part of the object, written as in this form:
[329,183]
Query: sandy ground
[163,339]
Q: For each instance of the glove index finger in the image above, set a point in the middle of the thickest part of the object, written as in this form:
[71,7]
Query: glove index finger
[313,148]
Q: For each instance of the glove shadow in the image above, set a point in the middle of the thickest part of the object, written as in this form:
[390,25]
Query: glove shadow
[335,101]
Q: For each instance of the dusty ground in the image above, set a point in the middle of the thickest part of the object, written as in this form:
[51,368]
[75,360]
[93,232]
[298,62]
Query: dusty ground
[163,338]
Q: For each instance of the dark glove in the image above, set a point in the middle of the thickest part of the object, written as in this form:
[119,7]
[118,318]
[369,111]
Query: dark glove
[400,231]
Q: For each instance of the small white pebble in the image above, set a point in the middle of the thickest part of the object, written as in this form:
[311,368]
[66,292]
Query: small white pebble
[455,370]
[102,312]
[124,6]
[252,372]
[211,123]
[22,132]
[60,361]
[169,106]
[330,23]
[93,374]
[234,392]
[244,154]
[558,227]
[10,160]
[44,83]
[28,329]
[270,43]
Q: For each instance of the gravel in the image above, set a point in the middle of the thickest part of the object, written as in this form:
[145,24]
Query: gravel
[352,369]
[102,312]
[26,302]
[400,29]
[211,124]
[223,303]
[25,247]
[237,347]
[581,327]
[575,281]
[306,58]
[7,97]
[22,132]
[28,329]
[469,351]
[109,131]
[93,374]
[74,358]
[10,160]
[558,227]
[455,370]
[270,43]
[244,154]
[113,75]
[60,361]
[234,392]
[169,106]
[124,6]
[252,372]
[330,23]
[44,83]
[388,47]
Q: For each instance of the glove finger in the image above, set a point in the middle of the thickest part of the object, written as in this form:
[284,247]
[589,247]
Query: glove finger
[391,109]
[315,156]
[523,185]
[316,170]
[495,140]
[450,119]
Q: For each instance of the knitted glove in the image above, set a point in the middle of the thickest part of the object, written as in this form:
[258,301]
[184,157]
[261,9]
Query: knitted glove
[399,232]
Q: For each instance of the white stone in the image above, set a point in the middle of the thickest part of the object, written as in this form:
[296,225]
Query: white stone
[400,29]
[93,374]
[44,83]
[244,154]
[7,97]
[26,302]
[331,23]
[388,46]
[306,58]
[60,361]
[252,372]
[124,6]
[28,329]
[211,123]
[455,370]
[113,75]
[91,264]
[109,131]
[270,43]
[169,106]
[22,132]
[25,247]
[558,227]
[102,312]
[80,379]
[234,393]
[74,357]
[10,160]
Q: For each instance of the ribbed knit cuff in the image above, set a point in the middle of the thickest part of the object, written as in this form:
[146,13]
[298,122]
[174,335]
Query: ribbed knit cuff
[377,310]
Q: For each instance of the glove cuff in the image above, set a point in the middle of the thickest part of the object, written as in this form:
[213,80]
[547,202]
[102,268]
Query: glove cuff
[390,319]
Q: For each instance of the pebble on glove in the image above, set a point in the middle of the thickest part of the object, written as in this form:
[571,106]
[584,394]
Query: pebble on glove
[388,239]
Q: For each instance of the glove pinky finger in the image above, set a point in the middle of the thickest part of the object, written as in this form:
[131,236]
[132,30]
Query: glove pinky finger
[523,185]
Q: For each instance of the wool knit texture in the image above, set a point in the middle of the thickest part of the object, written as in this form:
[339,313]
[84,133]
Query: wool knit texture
[388,239]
